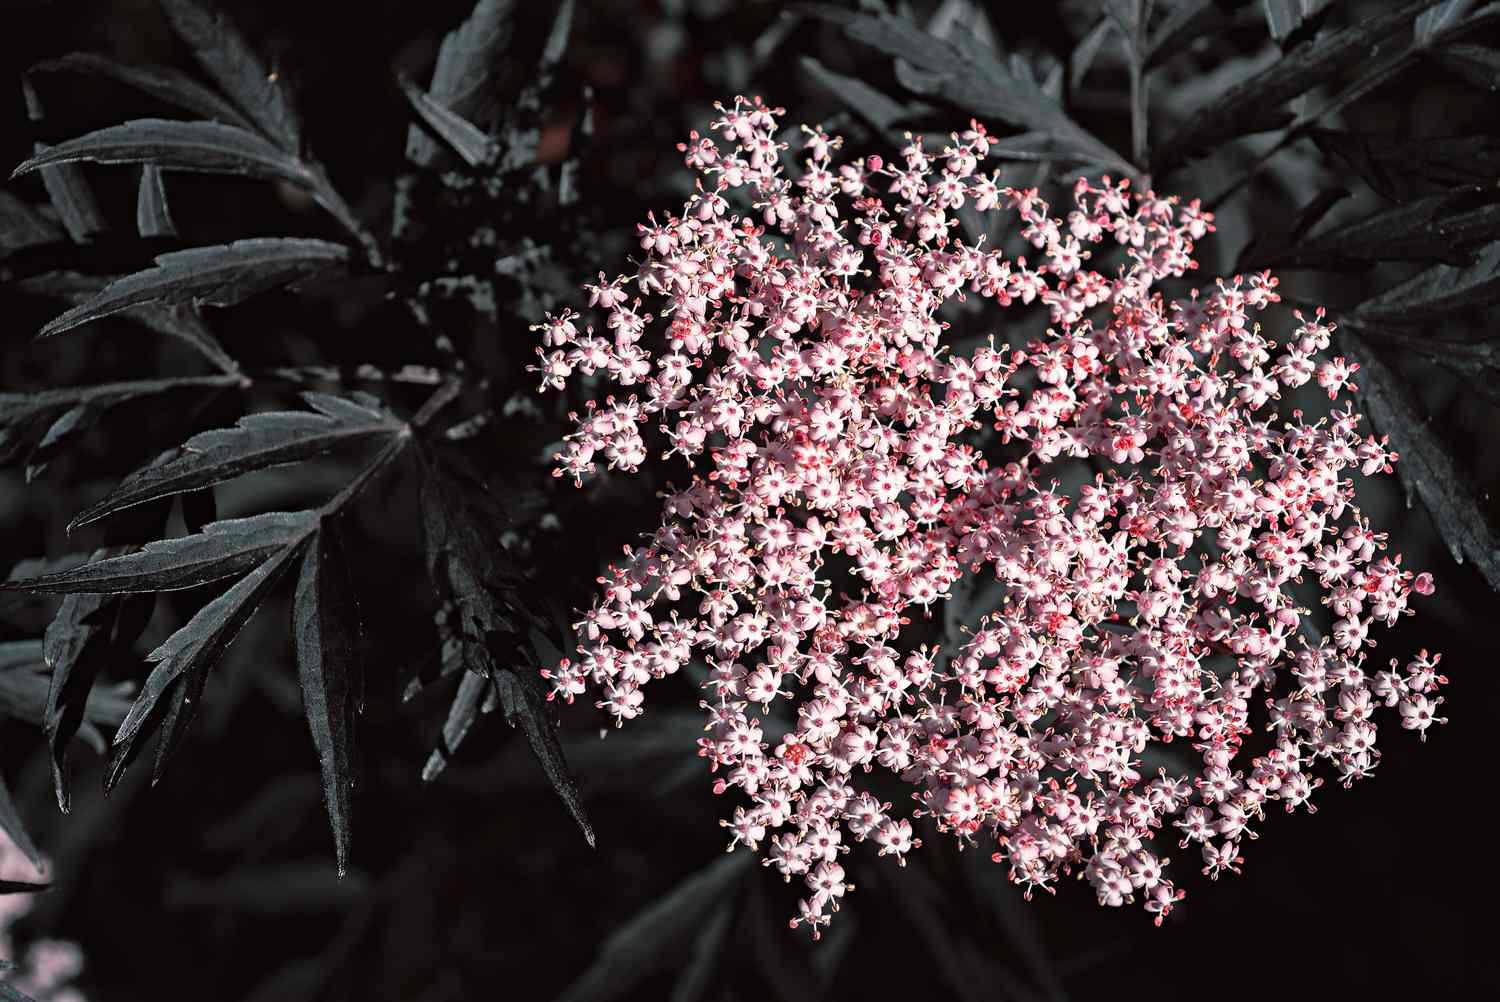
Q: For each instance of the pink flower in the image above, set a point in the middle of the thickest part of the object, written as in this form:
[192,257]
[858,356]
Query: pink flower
[850,466]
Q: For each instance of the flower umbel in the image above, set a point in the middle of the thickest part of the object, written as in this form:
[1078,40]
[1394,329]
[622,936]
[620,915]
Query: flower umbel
[850,466]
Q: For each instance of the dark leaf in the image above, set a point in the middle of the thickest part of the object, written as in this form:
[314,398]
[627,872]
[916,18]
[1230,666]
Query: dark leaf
[1268,242]
[461,563]
[463,81]
[1446,227]
[1438,292]
[291,888]
[973,77]
[1185,23]
[226,57]
[222,550]
[1393,165]
[185,658]
[161,82]
[477,148]
[183,322]
[26,418]
[469,701]
[655,936]
[22,226]
[21,887]
[258,441]
[870,104]
[24,690]
[151,216]
[1425,467]
[1251,106]
[71,196]
[325,629]
[221,275]
[1476,63]
[10,824]
[525,706]
[210,147]
[86,631]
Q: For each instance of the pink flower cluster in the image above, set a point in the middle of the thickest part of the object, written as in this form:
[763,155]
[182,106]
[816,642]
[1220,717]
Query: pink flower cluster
[784,336]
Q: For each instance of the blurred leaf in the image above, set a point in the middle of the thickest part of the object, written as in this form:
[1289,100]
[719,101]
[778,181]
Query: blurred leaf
[1291,21]
[151,216]
[161,82]
[11,994]
[222,550]
[1425,467]
[258,441]
[325,628]
[1476,63]
[654,936]
[464,76]
[475,147]
[184,659]
[11,825]
[208,147]
[870,104]
[1254,105]
[22,226]
[273,889]
[226,57]
[525,706]
[217,276]
[704,963]
[1083,54]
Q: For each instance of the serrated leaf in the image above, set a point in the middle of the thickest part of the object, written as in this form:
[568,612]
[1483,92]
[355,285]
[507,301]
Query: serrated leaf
[86,630]
[655,935]
[22,226]
[181,321]
[27,417]
[1438,292]
[151,216]
[221,275]
[1425,467]
[1439,228]
[525,706]
[226,57]
[325,630]
[208,147]
[880,111]
[222,550]
[1252,105]
[463,80]
[161,82]
[474,146]
[968,74]
[11,825]
[184,659]
[1391,164]
[257,441]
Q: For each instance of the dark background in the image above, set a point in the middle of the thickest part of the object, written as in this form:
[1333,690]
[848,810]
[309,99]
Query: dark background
[219,882]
